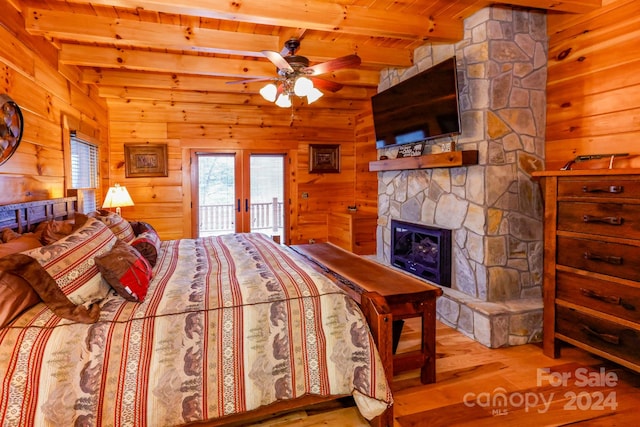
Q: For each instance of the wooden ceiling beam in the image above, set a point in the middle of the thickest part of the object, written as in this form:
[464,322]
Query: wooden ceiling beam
[125,32]
[312,14]
[122,32]
[105,57]
[123,83]
[573,6]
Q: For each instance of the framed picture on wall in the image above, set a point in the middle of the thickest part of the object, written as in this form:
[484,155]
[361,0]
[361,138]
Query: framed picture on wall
[145,160]
[324,158]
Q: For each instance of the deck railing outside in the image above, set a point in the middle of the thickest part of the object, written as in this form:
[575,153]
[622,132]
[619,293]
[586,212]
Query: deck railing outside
[218,219]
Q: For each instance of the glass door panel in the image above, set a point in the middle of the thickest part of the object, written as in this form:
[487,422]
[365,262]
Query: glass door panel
[266,207]
[217,194]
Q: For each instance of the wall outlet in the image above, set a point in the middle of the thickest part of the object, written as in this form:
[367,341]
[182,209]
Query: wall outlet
[305,195]
[312,241]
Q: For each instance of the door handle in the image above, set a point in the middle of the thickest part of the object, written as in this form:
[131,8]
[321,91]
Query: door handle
[246,205]
[238,205]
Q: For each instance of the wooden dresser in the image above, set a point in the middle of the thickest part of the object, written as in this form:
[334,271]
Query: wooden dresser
[592,263]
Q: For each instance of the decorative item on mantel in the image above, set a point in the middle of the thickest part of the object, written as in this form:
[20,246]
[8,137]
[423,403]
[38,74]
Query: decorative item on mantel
[11,127]
[117,197]
[410,150]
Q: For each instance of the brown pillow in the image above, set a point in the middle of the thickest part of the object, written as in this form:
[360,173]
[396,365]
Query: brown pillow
[8,235]
[126,270]
[53,230]
[47,289]
[22,243]
[15,296]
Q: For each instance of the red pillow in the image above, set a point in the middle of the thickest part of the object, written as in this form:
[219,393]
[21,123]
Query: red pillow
[128,272]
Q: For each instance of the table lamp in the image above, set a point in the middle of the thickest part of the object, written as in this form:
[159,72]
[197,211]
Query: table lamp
[117,197]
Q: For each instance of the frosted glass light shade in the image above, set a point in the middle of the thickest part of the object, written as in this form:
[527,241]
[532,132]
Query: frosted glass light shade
[269,92]
[283,101]
[314,95]
[303,86]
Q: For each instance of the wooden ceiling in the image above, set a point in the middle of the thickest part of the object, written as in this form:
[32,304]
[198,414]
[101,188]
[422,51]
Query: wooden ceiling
[180,50]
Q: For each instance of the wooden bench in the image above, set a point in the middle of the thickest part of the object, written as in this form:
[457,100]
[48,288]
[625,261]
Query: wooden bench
[385,295]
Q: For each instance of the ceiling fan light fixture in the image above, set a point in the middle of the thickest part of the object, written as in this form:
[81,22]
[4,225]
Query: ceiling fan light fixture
[283,100]
[313,95]
[269,92]
[303,86]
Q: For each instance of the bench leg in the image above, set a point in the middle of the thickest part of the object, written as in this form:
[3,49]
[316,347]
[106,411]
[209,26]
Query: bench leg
[428,370]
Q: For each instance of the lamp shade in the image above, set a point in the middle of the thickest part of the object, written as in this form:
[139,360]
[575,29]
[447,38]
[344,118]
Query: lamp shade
[117,197]
[303,86]
[283,100]
[269,92]
[313,95]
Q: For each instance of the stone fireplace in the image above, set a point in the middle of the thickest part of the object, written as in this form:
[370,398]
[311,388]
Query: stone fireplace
[494,208]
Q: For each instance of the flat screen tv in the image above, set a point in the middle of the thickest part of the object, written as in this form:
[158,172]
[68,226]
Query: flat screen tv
[422,107]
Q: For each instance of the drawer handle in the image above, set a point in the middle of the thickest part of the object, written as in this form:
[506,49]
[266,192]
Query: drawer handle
[613,220]
[610,338]
[610,299]
[614,189]
[615,260]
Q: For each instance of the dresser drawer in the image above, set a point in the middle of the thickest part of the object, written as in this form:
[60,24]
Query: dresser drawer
[613,259]
[608,187]
[618,340]
[608,219]
[607,297]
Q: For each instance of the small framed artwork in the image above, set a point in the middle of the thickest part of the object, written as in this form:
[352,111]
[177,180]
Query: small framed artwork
[145,160]
[324,158]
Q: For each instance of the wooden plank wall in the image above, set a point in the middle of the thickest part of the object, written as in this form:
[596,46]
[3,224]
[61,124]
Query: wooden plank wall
[49,97]
[593,87]
[200,125]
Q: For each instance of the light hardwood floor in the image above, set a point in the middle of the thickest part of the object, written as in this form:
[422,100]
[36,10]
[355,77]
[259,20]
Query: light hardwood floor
[576,389]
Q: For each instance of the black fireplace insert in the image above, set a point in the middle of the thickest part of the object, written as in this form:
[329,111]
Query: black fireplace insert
[422,250]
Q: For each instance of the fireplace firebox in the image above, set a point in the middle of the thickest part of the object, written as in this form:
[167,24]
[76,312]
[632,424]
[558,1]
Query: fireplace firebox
[422,250]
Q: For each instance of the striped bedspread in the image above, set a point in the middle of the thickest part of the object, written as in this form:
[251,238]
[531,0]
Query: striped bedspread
[230,323]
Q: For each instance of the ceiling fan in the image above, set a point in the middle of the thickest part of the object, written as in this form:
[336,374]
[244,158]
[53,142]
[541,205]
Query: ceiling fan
[296,77]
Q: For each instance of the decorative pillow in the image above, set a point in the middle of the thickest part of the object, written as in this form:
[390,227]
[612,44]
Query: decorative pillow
[27,269]
[126,270]
[8,235]
[140,227]
[70,261]
[16,296]
[148,244]
[118,225]
[53,230]
[22,243]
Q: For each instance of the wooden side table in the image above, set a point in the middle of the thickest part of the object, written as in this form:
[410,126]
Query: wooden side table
[369,282]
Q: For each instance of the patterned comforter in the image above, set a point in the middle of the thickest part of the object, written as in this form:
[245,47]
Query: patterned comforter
[230,323]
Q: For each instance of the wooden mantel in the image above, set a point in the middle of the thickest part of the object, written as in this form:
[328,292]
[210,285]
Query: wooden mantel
[441,160]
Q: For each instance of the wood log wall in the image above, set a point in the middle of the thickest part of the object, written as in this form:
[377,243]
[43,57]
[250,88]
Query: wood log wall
[593,86]
[51,98]
[220,125]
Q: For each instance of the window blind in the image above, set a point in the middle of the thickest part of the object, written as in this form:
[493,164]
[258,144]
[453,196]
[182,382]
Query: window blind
[84,170]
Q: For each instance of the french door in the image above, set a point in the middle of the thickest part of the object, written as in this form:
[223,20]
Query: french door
[239,191]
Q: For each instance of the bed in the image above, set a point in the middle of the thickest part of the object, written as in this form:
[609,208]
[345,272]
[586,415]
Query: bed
[228,328]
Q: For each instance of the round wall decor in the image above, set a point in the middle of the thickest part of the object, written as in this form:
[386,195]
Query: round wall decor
[11,127]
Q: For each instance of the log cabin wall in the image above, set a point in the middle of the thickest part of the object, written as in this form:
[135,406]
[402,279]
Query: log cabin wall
[593,86]
[204,123]
[51,98]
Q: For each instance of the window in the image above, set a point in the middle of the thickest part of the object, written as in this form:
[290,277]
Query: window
[84,171]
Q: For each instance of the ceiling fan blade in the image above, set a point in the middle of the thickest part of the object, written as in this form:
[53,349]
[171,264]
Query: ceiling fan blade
[278,60]
[326,84]
[334,64]
[257,79]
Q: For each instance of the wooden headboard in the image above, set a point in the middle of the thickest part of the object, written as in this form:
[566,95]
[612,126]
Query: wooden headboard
[22,217]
